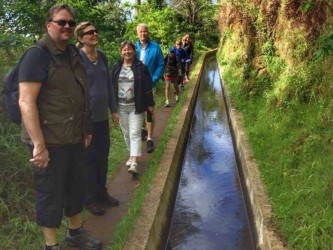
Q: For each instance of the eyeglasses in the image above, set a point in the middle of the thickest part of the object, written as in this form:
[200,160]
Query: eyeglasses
[63,23]
[90,32]
[178,44]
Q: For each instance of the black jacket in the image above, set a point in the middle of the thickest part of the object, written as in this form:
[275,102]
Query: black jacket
[173,66]
[143,95]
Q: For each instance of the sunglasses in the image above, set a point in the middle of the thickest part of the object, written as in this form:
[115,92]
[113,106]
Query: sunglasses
[90,32]
[178,44]
[63,23]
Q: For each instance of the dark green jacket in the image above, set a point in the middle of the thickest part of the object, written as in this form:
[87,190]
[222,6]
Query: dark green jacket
[63,102]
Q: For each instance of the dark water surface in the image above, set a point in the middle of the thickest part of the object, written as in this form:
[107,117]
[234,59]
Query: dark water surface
[210,210]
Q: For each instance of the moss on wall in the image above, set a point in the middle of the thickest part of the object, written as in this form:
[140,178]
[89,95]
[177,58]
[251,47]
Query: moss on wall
[275,40]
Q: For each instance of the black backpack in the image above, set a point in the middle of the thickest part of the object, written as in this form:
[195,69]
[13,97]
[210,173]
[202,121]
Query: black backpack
[10,91]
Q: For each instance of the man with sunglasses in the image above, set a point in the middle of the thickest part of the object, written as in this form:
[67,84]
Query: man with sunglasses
[56,125]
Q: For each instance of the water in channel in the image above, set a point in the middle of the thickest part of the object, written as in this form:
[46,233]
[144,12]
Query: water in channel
[210,211]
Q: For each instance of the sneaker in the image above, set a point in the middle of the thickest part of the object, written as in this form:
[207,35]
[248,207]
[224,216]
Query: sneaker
[129,162]
[144,134]
[83,240]
[96,209]
[150,146]
[133,169]
[108,200]
[56,247]
[167,104]
[177,98]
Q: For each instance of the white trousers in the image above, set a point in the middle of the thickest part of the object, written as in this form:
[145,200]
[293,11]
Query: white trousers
[131,125]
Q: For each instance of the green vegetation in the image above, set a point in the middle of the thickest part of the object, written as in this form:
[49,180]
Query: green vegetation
[282,85]
[15,196]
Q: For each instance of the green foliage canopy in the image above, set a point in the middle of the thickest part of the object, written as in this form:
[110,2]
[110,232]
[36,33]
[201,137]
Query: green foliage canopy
[23,21]
[168,24]
[164,25]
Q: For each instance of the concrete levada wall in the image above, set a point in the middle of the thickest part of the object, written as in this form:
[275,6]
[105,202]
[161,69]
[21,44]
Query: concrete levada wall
[256,195]
[151,227]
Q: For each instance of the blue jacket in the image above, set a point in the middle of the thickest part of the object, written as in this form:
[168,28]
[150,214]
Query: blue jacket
[180,54]
[154,59]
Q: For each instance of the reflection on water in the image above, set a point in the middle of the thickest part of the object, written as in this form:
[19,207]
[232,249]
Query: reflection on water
[209,212]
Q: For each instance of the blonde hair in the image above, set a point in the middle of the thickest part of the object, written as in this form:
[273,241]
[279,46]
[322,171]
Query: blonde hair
[186,37]
[78,32]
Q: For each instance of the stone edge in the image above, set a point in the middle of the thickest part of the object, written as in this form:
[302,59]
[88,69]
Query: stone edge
[267,237]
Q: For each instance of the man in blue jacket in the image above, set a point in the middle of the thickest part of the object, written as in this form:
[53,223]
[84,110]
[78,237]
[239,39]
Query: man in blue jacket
[150,53]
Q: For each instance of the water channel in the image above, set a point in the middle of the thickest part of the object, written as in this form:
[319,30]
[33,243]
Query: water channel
[210,211]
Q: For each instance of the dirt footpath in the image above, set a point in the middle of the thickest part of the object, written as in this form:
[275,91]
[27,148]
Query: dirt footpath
[122,186]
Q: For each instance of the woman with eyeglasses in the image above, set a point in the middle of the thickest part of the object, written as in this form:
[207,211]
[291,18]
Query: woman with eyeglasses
[102,99]
[133,86]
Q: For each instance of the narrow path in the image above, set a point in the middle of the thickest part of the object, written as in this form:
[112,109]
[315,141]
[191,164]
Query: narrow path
[123,185]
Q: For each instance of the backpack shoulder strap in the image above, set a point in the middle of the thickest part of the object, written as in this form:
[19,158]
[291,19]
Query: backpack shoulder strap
[26,51]
[40,44]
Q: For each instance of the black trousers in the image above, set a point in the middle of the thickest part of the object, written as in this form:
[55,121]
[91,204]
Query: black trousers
[187,68]
[59,185]
[97,162]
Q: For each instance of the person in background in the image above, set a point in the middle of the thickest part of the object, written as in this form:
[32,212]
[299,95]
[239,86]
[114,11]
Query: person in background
[133,85]
[189,49]
[171,71]
[150,53]
[102,99]
[181,56]
[56,126]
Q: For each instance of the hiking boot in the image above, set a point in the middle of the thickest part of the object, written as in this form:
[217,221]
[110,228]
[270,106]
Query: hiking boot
[177,98]
[144,134]
[96,209]
[108,200]
[83,240]
[133,168]
[167,104]
[150,146]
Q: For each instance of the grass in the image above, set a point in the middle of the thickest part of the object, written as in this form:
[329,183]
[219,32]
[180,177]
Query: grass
[294,150]
[118,150]
[18,230]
